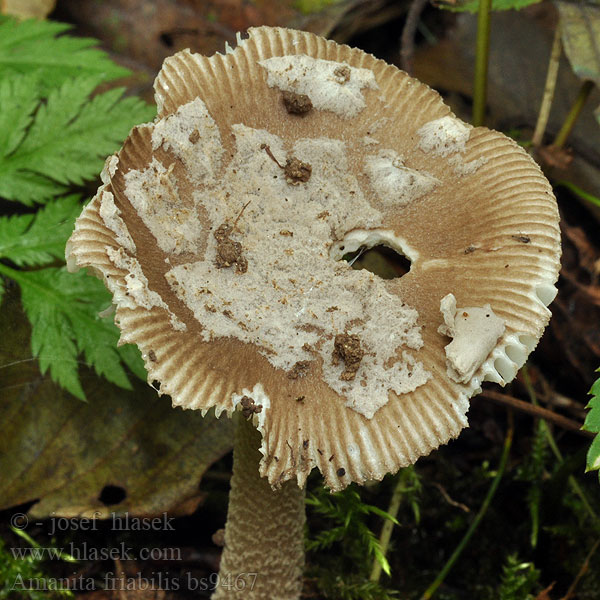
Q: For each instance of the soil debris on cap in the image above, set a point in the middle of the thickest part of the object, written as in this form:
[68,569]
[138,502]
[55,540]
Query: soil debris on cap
[296,104]
[229,252]
[524,239]
[300,369]
[347,348]
[342,74]
[297,171]
[249,408]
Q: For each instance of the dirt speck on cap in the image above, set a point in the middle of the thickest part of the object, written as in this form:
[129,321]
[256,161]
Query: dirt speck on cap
[297,171]
[524,239]
[249,408]
[229,252]
[347,348]
[300,369]
[342,74]
[296,104]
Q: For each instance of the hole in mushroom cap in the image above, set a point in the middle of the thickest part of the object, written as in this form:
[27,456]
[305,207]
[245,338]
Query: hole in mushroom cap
[380,260]
[379,251]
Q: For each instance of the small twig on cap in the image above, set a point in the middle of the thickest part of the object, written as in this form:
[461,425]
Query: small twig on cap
[266,148]
[240,214]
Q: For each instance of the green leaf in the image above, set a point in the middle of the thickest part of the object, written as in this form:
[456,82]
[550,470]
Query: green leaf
[130,354]
[37,46]
[592,423]
[580,31]
[472,6]
[68,137]
[63,310]
[19,97]
[39,238]
[579,192]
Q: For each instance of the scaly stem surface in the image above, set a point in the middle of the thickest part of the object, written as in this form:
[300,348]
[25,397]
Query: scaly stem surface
[263,557]
[481,61]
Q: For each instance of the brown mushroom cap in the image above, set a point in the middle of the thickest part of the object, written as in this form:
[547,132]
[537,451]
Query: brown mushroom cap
[220,226]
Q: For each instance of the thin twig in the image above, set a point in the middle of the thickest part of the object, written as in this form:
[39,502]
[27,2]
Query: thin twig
[449,500]
[537,411]
[407,41]
[544,114]
[481,61]
[571,118]
[584,569]
[430,591]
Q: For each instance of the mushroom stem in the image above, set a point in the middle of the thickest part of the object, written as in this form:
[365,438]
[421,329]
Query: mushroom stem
[263,558]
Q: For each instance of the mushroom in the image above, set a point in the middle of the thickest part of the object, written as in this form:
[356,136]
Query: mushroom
[221,227]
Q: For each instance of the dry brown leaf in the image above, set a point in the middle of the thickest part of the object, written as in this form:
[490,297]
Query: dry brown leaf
[554,157]
[64,452]
[27,9]
[587,254]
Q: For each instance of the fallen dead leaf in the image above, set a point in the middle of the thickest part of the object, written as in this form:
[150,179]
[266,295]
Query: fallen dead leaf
[27,9]
[554,157]
[64,452]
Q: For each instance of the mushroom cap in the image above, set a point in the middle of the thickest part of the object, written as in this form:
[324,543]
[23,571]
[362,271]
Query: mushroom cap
[220,228]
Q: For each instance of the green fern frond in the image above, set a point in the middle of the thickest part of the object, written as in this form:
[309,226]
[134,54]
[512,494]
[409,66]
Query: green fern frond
[55,133]
[351,587]
[348,514]
[39,47]
[592,423]
[25,578]
[518,579]
[62,140]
